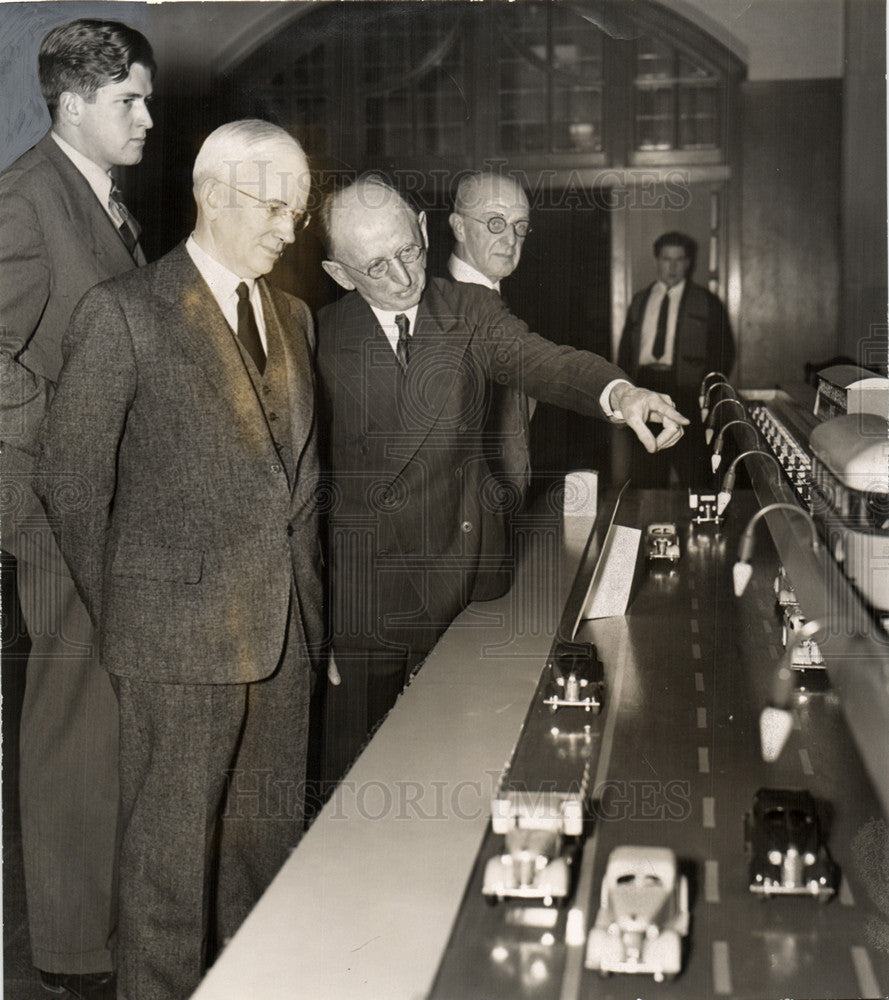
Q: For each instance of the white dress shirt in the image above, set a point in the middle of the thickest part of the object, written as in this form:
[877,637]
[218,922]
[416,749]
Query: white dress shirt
[223,285]
[649,323]
[98,179]
[386,319]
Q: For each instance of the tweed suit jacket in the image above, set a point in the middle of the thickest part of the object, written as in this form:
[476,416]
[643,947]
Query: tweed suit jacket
[413,505]
[185,508]
[703,336]
[56,242]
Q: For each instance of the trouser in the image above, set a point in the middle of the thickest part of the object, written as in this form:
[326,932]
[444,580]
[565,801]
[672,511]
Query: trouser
[371,681]
[212,797]
[68,780]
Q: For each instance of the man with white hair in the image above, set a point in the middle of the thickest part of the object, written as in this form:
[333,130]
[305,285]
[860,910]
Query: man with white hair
[403,367]
[196,551]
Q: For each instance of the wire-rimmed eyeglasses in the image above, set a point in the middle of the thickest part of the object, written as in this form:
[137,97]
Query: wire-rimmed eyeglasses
[276,210]
[379,268]
[497,225]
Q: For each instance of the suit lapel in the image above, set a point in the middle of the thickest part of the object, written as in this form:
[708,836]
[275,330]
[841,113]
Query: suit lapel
[87,214]
[201,332]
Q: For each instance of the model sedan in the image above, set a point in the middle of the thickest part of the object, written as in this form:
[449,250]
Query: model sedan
[643,915]
[783,841]
[662,542]
[533,866]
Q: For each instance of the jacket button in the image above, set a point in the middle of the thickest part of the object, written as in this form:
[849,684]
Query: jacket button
[289,530]
[275,469]
[266,390]
[466,526]
[273,416]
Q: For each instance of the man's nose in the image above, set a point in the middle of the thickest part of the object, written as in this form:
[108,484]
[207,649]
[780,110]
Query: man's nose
[399,273]
[143,119]
[285,229]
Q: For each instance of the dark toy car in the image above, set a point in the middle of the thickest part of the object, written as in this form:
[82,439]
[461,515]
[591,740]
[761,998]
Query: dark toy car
[783,841]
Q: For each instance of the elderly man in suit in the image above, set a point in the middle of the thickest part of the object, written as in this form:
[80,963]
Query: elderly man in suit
[63,228]
[675,332]
[196,549]
[490,222]
[404,366]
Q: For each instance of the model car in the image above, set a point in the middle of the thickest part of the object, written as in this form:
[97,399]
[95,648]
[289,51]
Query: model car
[706,507]
[662,542]
[806,652]
[643,915]
[533,866]
[783,841]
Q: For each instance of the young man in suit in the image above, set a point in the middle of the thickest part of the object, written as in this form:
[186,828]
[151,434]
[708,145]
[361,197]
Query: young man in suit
[404,367]
[676,332]
[63,228]
[197,552]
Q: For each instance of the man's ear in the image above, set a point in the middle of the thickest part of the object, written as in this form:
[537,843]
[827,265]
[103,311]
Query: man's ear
[70,107]
[421,222]
[339,274]
[457,227]
[209,195]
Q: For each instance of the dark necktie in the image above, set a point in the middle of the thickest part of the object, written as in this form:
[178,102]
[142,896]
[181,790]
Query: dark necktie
[402,348]
[660,337]
[127,226]
[248,331]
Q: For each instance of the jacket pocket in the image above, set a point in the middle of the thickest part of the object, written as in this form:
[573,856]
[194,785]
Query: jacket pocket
[157,562]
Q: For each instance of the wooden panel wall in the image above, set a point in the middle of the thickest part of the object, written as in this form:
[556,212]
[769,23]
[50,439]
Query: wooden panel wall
[790,228]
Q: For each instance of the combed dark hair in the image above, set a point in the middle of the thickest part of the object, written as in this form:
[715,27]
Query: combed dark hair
[84,55]
[676,239]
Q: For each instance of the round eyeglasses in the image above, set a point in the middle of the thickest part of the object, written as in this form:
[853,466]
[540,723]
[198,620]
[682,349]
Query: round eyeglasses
[497,225]
[379,268]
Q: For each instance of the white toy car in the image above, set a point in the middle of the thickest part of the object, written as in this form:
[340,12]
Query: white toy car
[662,542]
[532,867]
[643,915]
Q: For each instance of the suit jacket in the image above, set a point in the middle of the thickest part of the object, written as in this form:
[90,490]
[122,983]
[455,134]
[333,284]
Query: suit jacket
[185,503]
[56,242]
[703,336]
[413,506]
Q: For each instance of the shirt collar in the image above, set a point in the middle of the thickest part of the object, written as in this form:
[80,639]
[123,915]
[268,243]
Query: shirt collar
[386,317]
[97,178]
[676,291]
[222,282]
[461,270]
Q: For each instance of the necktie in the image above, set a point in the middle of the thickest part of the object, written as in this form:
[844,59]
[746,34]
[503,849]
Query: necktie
[127,226]
[660,337]
[402,348]
[248,331]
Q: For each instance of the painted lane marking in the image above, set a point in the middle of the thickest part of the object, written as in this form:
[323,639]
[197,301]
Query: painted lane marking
[694,604]
[699,682]
[702,718]
[703,760]
[868,987]
[693,624]
[845,895]
[806,762]
[711,881]
[722,973]
[695,651]
[709,812]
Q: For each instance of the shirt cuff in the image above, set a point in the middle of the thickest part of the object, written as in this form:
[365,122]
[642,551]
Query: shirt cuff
[604,400]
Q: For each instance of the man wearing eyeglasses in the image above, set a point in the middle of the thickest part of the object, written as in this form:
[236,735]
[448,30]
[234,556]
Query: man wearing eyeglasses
[196,549]
[404,365]
[490,222]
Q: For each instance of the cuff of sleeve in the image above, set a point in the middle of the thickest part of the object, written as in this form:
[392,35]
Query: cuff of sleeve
[615,416]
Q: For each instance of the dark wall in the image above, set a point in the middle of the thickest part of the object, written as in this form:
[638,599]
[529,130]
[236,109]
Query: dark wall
[790,230]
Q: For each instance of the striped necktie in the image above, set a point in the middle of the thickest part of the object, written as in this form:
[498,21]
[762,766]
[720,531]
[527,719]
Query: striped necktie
[402,348]
[127,226]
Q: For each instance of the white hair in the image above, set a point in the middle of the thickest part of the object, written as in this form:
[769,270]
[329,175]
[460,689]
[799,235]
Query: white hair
[236,142]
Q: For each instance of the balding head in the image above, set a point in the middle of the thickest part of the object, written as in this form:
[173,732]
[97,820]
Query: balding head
[480,198]
[369,222]
[251,185]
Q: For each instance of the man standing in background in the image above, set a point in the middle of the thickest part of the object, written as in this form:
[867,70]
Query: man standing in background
[490,222]
[676,332]
[63,228]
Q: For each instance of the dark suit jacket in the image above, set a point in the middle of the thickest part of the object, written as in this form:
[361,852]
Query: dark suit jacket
[56,242]
[703,336]
[413,511]
[185,503]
